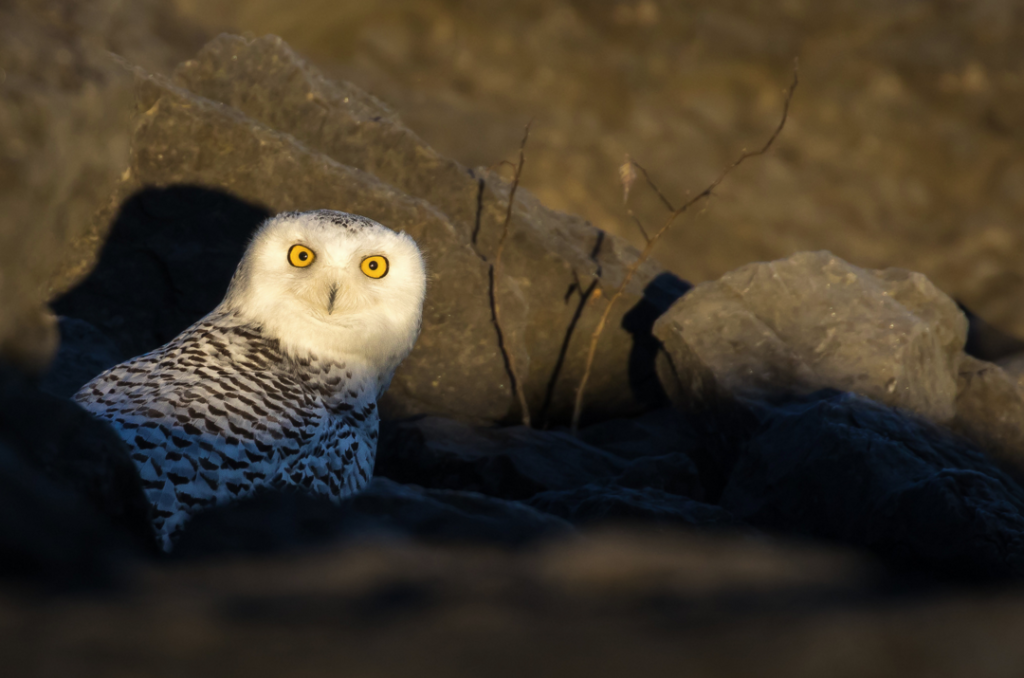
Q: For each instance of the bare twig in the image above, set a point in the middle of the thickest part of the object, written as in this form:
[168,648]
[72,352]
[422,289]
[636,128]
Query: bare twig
[646,253]
[650,182]
[517,380]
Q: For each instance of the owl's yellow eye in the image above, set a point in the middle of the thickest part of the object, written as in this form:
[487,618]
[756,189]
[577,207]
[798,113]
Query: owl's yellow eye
[300,256]
[375,266]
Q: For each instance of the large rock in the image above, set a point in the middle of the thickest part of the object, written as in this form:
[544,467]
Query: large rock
[814,321]
[556,261]
[283,137]
[71,503]
[82,457]
[838,466]
[512,463]
[558,473]
[273,521]
[47,534]
[172,250]
[63,141]
[592,505]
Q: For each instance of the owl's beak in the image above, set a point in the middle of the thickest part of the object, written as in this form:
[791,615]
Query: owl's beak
[330,299]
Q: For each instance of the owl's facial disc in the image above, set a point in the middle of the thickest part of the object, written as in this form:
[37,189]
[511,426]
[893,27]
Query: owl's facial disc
[375,267]
[328,282]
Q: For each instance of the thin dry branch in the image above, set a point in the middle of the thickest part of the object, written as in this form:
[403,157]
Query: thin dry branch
[517,380]
[650,182]
[651,242]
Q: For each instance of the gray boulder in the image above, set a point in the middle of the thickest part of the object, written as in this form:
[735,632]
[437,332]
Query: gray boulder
[814,321]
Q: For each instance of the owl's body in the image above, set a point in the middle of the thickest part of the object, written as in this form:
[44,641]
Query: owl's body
[278,386]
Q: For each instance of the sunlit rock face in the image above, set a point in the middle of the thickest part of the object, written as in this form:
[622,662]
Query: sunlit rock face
[814,321]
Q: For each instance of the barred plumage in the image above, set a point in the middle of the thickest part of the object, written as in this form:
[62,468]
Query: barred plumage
[245,399]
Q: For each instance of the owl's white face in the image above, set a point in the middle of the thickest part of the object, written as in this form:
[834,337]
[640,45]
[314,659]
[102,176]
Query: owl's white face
[333,285]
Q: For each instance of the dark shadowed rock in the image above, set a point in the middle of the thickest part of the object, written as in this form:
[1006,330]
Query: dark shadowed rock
[672,473]
[814,321]
[167,262]
[660,432]
[513,462]
[84,352]
[839,466]
[987,342]
[451,515]
[81,456]
[603,503]
[71,504]
[274,521]
[46,533]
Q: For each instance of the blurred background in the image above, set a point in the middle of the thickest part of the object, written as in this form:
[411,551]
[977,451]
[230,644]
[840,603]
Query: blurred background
[903,147]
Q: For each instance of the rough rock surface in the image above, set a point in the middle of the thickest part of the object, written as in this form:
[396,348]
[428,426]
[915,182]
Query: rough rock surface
[72,504]
[82,457]
[251,119]
[814,321]
[513,462]
[274,522]
[839,466]
[623,505]
[990,410]
[64,104]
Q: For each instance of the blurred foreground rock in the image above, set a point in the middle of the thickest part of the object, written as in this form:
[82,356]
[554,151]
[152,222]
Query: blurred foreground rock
[73,505]
[603,604]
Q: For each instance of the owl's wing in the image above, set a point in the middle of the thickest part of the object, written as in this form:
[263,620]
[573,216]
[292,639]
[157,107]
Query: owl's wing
[209,417]
[339,465]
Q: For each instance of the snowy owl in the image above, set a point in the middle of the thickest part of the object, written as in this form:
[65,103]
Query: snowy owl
[278,386]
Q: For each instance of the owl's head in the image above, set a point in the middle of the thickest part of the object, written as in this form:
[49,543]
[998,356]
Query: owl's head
[333,285]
